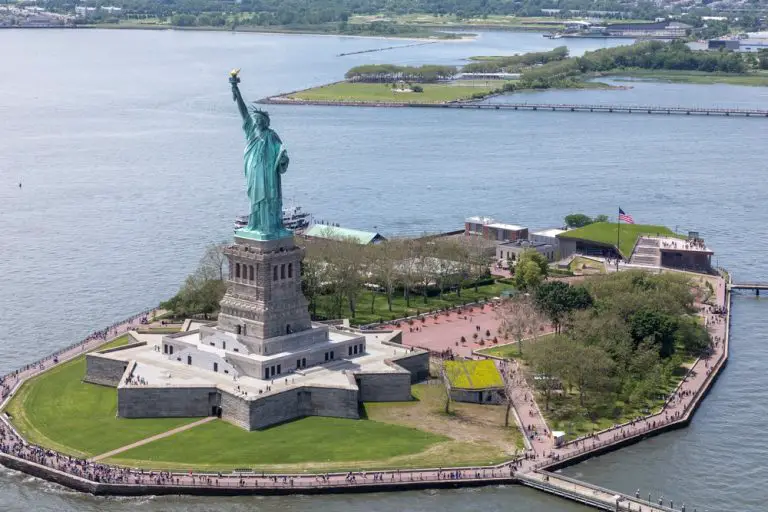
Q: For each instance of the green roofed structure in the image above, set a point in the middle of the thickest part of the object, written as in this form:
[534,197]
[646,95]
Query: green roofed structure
[337,233]
[604,239]
[475,381]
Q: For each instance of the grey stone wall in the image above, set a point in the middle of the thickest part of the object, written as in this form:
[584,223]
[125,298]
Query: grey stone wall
[417,363]
[300,402]
[165,402]
[338,403]
[384,387]
[102,370]
[235,410]
[487,396]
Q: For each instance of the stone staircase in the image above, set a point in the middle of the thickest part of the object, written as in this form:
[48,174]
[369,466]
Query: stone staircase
[646,253]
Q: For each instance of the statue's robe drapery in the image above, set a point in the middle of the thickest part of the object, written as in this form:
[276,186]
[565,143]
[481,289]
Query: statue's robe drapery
[265,160]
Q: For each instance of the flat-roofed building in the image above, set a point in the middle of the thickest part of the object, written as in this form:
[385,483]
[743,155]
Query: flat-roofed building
[511,251]
[547,236]
[489,229]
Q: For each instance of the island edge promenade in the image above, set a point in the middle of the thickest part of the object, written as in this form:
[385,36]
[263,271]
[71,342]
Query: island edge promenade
[533,469]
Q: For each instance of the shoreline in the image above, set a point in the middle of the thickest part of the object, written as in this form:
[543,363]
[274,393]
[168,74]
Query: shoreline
[281,32]
[95,479]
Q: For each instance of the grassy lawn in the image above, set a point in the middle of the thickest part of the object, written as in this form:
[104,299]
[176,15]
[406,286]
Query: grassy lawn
[586,265]
[606,233]
[510,350]
[383,93]
[394,435]
[696,77]
[473,374]
[301,443]
[125,339]
[365,314]
[57,410]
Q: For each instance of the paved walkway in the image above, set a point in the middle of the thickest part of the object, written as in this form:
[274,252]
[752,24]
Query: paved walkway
[151,439]
[442,332]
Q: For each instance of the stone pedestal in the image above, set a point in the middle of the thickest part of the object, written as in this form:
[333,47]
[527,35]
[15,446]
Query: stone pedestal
[264,298]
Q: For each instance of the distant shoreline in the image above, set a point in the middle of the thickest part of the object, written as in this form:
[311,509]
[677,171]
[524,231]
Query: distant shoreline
[281,31]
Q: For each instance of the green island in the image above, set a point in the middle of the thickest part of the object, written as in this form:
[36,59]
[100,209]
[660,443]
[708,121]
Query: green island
[486,76]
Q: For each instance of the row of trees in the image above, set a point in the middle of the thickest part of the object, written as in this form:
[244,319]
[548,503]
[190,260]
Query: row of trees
[675,55]
[514,63]
[619,339]
[288,12]
[579,220]
[339,270]
[391,72]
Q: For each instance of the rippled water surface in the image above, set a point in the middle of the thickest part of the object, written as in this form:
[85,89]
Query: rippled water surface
[129,150]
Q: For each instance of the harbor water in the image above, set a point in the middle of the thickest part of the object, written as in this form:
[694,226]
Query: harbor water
[128,149]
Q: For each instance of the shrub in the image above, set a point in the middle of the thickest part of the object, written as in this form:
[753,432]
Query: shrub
[417,88]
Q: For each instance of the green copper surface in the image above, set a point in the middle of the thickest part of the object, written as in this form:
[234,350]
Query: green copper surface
[265,161]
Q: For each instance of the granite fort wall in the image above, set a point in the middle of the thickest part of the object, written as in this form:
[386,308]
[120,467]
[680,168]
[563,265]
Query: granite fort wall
[103,370]
[235,410]
[384,387]
[417,364]
[299,402]
[165,402]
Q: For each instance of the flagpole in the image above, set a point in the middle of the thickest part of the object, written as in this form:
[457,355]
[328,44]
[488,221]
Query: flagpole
[618,238]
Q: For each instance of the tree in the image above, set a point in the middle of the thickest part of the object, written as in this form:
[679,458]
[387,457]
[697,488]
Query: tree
[600,218]
[656,326]
[385,267]
[577,220]
[589,369]
[203,290]
[531,269]
[518,318]
[762,59]
[214,261]
[556,299]
[548,358]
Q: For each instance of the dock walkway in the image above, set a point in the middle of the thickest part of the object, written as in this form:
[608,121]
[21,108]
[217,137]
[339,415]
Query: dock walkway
[535,107]
[588,494]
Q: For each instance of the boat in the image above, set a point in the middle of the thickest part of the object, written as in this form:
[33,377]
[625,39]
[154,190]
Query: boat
[294,218]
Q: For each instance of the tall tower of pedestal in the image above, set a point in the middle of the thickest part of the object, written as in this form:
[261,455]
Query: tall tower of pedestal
[264,298]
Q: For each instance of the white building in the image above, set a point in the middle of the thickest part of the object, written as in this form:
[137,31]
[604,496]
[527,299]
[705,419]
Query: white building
[547,236]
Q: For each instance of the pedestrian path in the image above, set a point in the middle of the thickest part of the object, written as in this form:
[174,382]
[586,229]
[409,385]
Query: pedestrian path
[592,495]
[151,439]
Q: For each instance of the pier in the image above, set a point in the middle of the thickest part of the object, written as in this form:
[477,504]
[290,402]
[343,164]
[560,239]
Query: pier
[757,287]
[588,494]
[537,107]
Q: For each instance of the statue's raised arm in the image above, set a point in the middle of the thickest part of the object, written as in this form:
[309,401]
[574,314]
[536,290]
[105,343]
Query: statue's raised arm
[234,79]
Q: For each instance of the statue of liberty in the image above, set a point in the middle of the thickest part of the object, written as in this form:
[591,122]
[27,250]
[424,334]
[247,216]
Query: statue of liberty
[265,160]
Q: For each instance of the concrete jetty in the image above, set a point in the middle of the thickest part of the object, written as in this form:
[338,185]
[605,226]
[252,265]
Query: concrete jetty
[535,107]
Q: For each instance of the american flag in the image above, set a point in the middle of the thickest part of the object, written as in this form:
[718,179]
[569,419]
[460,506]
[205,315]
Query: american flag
[625,217]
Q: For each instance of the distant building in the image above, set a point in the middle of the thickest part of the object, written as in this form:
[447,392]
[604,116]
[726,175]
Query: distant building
[488,76]
[488,229]
[752,45]
[662,30]
[548,236]
[692,254]
[511,251]
[321,231]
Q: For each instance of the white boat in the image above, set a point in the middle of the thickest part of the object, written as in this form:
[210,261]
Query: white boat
[294,218]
